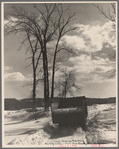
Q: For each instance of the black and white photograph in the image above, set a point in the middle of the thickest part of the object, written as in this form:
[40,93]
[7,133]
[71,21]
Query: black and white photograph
[59,74]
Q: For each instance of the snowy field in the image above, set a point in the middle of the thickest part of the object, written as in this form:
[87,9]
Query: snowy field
[20,129]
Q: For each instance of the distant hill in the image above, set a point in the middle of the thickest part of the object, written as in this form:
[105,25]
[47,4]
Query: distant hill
[14,104]
[91,101]
[11,104]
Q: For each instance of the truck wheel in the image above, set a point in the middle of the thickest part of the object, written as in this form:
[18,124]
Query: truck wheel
[83,122]
[60,126]
[83,125]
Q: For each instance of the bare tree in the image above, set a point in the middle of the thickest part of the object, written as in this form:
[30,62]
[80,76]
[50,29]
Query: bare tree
[18,24]
[46,25]
[62,30]
[34,62]
[67,83]
[55,28]
[108,10]
[21,22]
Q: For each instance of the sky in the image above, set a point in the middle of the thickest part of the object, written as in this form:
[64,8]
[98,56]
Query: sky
[93,41]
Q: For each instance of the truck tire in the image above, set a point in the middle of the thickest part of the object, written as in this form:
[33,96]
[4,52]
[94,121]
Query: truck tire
[83,122]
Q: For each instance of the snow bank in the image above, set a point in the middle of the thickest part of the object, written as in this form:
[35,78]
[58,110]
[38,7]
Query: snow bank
[33,139]
[101,129]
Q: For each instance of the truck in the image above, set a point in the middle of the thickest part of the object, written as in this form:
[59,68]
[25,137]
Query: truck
[71,111]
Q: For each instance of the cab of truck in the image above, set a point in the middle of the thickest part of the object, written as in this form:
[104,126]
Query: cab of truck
[71,111]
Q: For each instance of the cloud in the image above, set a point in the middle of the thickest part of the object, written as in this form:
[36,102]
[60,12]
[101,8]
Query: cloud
[90,69]
[98,75]
[103,54]
[10,22]
[14,76]
[91,77]
[75,42]
[84,63]
[9,75]
[7,68]
[6,21]
[92,38]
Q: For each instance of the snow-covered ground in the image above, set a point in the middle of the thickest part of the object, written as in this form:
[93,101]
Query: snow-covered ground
[21,129]
[101,127]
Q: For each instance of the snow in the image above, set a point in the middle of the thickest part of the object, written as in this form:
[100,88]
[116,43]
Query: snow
[22,130]
[101,129]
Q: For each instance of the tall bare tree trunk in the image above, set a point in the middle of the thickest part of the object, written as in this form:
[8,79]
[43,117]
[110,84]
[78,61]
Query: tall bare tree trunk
[46,79]
[47,82]
[53,71]
[34,87]
[34,91]
[53,74]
